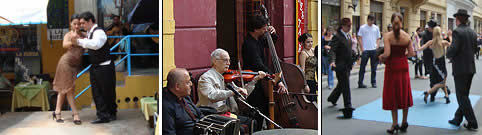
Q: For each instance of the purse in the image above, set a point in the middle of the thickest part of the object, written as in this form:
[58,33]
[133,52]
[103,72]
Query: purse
[380,51]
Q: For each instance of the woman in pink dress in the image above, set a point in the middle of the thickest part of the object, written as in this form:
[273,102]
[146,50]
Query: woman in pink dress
[396,89]
[67,69]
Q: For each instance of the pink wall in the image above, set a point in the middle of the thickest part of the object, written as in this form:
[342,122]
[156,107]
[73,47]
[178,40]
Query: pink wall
[283,18]
[195,35]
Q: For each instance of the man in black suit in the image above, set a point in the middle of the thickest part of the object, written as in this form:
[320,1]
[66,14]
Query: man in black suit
[463,65]
[341,61]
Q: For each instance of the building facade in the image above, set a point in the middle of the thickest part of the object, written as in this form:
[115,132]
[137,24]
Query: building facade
[454,5]
[415,12]
[477,16]
[192,30]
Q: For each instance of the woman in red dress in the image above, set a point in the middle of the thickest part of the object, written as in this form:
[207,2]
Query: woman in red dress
[396,89]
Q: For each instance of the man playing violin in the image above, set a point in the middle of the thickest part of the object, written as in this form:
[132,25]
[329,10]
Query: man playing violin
[212,89]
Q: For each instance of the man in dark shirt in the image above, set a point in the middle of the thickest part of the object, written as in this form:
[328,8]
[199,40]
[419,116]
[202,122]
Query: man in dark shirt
[255,59]
[428,56]
[179,113]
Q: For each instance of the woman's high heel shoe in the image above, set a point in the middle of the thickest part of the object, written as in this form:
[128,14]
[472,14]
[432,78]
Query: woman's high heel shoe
[404,127]
[425,97]
[447,100]
[76,122]
[54,117]
[393,130]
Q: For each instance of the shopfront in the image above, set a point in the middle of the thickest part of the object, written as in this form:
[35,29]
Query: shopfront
[330,14]
[376,9]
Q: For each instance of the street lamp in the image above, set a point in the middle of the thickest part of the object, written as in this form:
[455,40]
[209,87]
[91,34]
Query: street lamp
[354,4]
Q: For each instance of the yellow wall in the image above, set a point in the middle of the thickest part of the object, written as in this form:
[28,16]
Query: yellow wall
[313,20]
[135,86]
[167,39]
[82,82]
[51,55]
[85,99]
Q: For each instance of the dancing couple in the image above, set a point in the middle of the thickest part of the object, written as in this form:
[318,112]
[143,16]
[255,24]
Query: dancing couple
[102,73]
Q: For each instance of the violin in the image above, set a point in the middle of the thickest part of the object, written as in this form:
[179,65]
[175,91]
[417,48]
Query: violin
[248,75]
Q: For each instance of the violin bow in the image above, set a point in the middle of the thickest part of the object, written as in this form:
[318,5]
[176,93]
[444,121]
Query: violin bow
[241,73]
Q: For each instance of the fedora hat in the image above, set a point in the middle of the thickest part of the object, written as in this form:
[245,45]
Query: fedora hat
[432,23]
[461,12]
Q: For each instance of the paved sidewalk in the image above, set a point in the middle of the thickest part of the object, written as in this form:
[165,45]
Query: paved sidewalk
[129,122]
[354,72]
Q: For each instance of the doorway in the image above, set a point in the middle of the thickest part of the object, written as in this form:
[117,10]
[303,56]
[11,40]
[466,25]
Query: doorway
[231,17]
[226,29]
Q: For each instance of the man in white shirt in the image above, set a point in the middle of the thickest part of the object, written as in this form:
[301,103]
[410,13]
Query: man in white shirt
[369,36]
[102,72]
[212,89]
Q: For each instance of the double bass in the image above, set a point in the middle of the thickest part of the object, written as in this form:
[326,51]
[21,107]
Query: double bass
[290,110]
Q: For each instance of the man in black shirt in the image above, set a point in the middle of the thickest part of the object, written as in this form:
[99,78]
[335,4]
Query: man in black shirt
[254,59]
[179,113]
[428,57]
[102,72]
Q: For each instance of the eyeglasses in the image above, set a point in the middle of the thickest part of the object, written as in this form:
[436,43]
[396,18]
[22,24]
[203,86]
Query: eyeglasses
[224,60]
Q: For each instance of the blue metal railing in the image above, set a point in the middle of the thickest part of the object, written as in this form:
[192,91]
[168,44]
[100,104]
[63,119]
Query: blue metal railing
[127,53]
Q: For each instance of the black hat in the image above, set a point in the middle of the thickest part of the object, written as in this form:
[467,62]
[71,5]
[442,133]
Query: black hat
[432,23]
[461,12]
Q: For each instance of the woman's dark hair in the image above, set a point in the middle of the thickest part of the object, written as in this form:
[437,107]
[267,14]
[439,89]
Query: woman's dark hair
[74,16]
[303,37]
[256,22]
[399,16]
[329,28]
[88,16]
[418,29]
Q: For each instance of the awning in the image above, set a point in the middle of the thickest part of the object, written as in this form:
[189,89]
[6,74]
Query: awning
[145,11]
[23,12]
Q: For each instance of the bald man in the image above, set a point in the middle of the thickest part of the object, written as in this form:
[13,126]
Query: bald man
[179,113]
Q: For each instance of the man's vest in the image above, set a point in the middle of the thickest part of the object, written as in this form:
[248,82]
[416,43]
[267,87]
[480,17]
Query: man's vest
[101,55]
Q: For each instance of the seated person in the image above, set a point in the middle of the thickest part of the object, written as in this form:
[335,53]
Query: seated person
[123,28]
[4,82]
[212,89]
[179,113]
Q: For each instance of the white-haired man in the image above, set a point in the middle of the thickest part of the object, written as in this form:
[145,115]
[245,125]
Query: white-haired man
[212,88]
